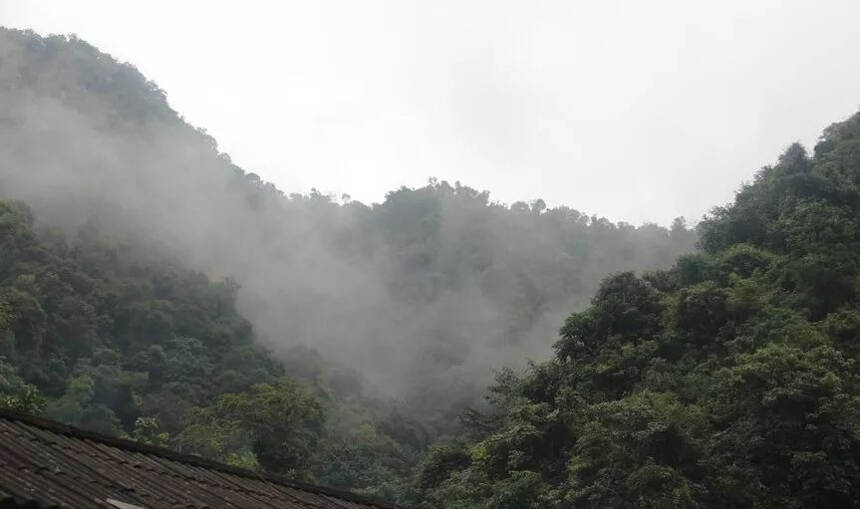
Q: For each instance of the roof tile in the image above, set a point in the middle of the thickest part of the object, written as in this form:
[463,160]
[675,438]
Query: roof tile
[46,464]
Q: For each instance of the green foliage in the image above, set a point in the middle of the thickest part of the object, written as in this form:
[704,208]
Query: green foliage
[283,421]
[790,418]
[115,341]
[440,273]
[17,395]
[624,310]
[422,294]
[118,338]
[731,380]
[146,431]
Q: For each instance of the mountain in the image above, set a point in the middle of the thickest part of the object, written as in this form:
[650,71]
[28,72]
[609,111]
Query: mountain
[422,294]
[153,289]
[730,380]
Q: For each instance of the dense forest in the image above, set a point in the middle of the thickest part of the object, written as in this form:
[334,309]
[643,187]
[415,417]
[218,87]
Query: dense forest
[423,294]
[152,289]
[730,380]
[99,334]
[211,296]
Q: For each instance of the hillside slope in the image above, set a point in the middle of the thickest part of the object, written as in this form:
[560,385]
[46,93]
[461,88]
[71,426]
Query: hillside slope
[730,380]
[422,294]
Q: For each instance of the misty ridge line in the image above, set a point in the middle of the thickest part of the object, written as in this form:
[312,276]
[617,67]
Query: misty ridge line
[439,348]
[423,294]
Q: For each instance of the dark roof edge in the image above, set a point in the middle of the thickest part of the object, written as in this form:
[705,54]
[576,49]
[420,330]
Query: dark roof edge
[199,461]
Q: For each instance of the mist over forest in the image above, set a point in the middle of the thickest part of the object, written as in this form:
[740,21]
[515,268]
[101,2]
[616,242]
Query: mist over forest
[438,349]
[423,294]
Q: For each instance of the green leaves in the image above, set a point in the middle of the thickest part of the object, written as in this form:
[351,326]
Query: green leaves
[789,420]
[625,309]
[642,448]
[16,394]
[279,423]
[730,381]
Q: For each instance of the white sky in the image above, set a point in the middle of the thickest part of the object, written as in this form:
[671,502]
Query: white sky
[639,111]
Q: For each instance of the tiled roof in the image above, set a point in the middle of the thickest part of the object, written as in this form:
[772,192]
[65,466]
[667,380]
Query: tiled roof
[46,464]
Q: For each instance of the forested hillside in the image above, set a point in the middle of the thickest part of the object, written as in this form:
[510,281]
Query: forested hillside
[151,288]
[730,380]
[100,333]
[423,294]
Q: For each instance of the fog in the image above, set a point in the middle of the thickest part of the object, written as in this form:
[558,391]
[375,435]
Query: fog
[630,110]
[424,295]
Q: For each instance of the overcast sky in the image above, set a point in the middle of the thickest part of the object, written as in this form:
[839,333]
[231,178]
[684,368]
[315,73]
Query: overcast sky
[638,111]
